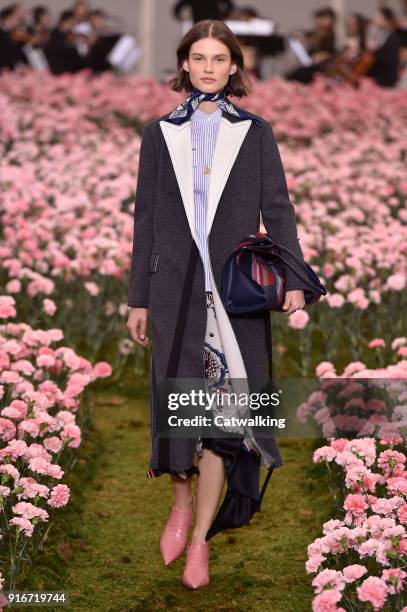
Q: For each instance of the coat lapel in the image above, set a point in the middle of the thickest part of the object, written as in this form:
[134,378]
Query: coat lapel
[178,139]
[230,137]
[229,140]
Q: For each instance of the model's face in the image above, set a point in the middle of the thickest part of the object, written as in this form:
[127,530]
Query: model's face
[209,65]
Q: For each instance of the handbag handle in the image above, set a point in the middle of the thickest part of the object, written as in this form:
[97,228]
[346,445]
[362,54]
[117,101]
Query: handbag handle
[303,278]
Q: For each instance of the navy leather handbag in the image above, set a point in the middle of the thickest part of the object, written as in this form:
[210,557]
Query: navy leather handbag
[254,276]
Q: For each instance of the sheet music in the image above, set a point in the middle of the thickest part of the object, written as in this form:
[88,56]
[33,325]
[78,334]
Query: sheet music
[298,48]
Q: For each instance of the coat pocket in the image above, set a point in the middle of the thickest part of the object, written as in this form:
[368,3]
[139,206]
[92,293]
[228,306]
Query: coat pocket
[154,262]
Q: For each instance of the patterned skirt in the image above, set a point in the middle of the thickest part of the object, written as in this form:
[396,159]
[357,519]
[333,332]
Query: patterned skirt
[217,381]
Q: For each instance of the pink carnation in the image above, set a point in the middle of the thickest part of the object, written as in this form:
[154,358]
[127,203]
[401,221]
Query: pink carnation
[402,514]
[53,444]
[23,525]
[396,282]
[92,288]
[328,579]
[326,601]
[298,319]
[49,306]
[395,578]
[398,484]
[324,368]
[59,496]
[314,563]
[397,342]
[374,590]
[391,462]
[102,369]
[354,572]
[376,342]
[7,308]
[30,511]
[355,503]
[336,300]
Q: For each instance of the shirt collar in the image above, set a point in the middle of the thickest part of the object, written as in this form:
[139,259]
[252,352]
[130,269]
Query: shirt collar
[206,118]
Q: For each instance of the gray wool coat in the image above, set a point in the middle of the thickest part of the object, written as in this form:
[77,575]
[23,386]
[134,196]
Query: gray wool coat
[247,179]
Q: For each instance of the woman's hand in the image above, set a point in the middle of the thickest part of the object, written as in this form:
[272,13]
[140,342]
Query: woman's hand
[294,300]
[137,325]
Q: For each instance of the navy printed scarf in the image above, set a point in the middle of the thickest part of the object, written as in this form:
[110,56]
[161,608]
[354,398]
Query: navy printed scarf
[184,111]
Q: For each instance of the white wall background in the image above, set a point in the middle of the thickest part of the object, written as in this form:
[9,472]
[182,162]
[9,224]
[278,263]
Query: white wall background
[158,33]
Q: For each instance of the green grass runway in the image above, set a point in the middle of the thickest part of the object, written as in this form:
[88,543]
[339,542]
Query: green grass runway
[103,549]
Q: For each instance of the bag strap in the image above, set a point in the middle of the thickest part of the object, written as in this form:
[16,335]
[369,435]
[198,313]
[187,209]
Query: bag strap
[265,483]
[269,344]
[301,276]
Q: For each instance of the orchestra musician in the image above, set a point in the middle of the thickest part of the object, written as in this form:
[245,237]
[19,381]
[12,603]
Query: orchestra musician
[372,51]
[354,60]
[61,51]
[210,9]
[320,44]
[385,44]
[13,36]
[40,27]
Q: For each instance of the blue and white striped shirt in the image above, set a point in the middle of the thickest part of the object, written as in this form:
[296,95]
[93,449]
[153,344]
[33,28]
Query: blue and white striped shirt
[204,130]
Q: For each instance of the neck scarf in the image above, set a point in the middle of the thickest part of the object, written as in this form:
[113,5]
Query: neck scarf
[184,111]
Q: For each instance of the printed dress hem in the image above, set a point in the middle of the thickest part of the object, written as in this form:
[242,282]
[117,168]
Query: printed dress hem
[180,472]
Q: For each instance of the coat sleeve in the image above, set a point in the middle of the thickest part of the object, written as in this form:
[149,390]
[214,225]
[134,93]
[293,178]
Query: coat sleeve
[139,282]
[277,211]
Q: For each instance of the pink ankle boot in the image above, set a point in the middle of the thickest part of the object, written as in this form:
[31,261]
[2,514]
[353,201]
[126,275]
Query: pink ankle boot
[175,535]
[196,572]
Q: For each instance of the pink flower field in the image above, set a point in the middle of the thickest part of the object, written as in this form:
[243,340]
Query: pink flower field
[69,150]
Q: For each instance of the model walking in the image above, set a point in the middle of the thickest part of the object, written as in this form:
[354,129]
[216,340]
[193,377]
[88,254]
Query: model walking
[207,170]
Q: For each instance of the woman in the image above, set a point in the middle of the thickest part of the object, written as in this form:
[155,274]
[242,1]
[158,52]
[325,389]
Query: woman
[354,60]
[206,171]
[41,25]
[355,33]
[81,10]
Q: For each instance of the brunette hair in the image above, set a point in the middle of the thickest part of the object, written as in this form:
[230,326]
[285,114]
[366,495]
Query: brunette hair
[9,10]
[388,14]
[238,84]
[361,27]
[38,12]
[326,11]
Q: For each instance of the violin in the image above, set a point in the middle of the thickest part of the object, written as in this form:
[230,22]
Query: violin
[25,37]
[21,36]
[350,69]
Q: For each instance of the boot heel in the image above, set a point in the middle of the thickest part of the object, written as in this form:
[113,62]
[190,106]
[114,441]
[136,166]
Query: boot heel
[196,572]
